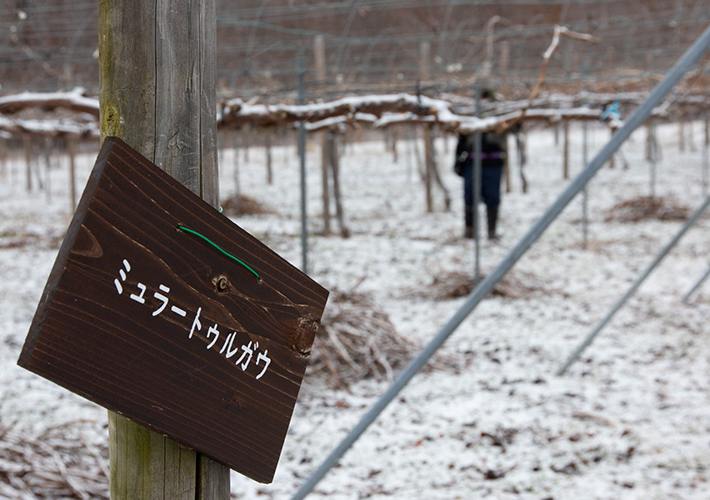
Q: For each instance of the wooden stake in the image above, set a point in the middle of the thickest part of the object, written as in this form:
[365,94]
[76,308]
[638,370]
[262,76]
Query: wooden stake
[237,188]
[394,144]
[325,182]
[3,157]
[522,158]
[506,165]
[71,150]
[157,92]
[335,168]
[428,152]
[267,146]
[27,143]
[48,144]
[706,155]
[246,134]
[437,177]
[565,166]
[681,135]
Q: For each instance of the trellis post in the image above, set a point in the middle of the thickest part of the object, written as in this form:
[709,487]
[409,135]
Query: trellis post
[565,162]
[157,93]
[71,149]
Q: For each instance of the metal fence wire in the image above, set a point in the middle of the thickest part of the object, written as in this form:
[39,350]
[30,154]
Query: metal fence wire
[639,116]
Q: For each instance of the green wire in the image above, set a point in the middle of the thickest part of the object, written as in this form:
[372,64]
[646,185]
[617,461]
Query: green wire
[188,230]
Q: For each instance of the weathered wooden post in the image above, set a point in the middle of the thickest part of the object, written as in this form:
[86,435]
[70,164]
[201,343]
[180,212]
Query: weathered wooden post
[237,188]
[506,165]
[428,159]
[332,151]
[157,93]
[47,150]
[585,191]
[71,151]
[393,144]
[706,156]
[27,144]
[268,135]
[653,158]
[681,135]
[3,157]
[325,184]
[565,166]
[521,146]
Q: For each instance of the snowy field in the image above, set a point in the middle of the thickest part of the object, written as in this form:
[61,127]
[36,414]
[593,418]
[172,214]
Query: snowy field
[630,420]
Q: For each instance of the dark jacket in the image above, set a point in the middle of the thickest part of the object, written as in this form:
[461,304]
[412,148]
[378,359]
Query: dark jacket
[493,152]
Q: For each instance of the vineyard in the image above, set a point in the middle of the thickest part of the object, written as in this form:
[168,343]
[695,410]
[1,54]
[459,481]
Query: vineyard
[336,126]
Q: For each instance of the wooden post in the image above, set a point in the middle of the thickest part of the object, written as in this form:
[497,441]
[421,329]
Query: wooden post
[246,134]
[653,157]
[3,157]
[47,150]
[437,176]
[565,166]
[237,188]
[691,136]
[428,154]
[325,182]
[522,158]
[27,143]
[268,134]
[394,138]
[157,93]
[612,162]
[71,151]
[335,168]
[681,135]
[506,165]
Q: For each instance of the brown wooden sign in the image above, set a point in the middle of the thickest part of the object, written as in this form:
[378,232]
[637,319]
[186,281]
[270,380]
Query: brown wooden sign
[163,310]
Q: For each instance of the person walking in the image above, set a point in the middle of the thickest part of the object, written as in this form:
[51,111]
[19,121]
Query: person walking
[493,154]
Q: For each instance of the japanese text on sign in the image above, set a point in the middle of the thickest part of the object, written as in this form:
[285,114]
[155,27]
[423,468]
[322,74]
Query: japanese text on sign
[247,352]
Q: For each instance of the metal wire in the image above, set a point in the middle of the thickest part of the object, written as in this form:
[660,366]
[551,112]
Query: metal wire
[487,285]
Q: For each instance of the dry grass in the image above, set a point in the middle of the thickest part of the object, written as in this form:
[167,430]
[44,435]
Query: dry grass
[458,284]
[356,341]
[244,205]
[59,463]
[647,207]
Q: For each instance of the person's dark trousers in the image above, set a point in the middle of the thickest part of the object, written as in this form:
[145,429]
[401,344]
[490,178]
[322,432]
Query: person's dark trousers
[492,220]
[490,195]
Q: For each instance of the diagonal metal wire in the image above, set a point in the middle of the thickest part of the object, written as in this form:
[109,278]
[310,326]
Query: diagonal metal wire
[696,286]
[683,65]
[619,304]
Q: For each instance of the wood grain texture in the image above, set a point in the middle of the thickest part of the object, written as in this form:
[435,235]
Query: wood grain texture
[127,75]
[97,342]
[157,61]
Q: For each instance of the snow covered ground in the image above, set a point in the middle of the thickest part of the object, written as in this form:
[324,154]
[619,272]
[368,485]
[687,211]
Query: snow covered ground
[630,420]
